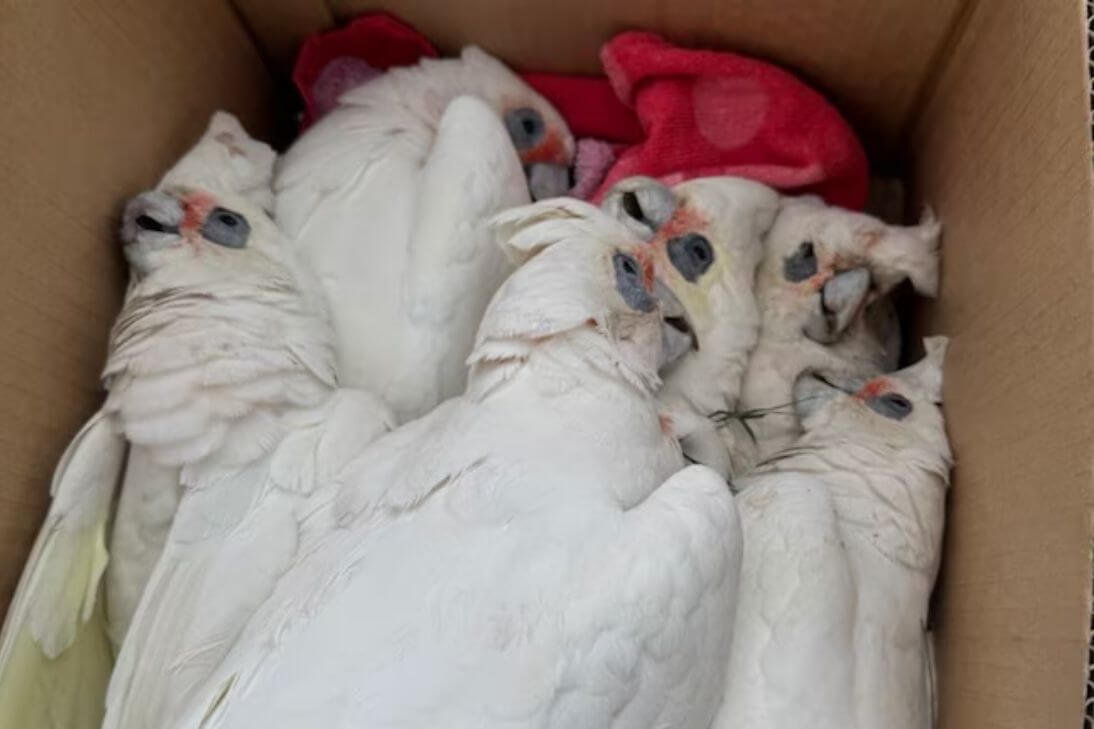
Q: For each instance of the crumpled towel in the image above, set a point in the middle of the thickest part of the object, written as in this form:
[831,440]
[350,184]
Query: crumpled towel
[714,113]
[663,111]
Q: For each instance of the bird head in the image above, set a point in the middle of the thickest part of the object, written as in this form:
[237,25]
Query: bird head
[902,408]
[542,139]
[190,235]
[705,239]
[824,265]
[582,277]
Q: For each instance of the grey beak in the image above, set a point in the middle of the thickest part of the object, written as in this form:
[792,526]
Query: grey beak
[677,339]
[547,180]
[642,204]
[841,299]
[670,305]
[812,389]
[154,212]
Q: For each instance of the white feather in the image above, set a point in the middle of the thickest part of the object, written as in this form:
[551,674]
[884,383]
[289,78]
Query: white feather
[843,537]
[527,555]
[386,197]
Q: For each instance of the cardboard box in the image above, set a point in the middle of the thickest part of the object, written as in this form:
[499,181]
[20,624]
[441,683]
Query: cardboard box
[983,105]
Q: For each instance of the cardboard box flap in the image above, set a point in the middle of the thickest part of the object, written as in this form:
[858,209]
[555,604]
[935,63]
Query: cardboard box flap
[1003,152]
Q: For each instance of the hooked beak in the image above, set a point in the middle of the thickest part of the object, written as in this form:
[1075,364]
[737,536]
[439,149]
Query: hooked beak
[813,388]
[677,336]
[547,180]
[841,299]
[643,204]
[151,212]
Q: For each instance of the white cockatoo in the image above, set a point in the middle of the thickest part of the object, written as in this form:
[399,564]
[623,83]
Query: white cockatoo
[843,534]
[386,198]
[706,235]
[820,288]
[532,553]
[222,365]
[226,160]
[59,639]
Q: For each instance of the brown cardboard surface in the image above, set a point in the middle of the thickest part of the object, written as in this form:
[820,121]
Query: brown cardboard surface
[280,27]
[870,55]
[1004,154]
[100,97]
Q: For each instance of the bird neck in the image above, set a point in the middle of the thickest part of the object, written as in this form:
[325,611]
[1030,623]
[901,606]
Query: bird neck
[582,358]
[216,374]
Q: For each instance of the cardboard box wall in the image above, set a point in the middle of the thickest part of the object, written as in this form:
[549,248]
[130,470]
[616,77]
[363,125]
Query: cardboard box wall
[984,104]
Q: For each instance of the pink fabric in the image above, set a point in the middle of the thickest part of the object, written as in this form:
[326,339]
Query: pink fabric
[713,113]
[379,40]
[663,111]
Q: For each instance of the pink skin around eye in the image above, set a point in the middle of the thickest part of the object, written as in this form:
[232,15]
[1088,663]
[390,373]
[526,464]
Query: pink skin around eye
[196,207]
[551,150]
[873,388]
[684,220]
[646,261]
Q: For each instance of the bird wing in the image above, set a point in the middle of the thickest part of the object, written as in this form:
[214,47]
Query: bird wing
[792,660]
[453,264]
[55,656]
[371,540]
[230,543]
[345,195]
[669,578]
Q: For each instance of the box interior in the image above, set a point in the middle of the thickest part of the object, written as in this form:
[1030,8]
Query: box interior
[983,106]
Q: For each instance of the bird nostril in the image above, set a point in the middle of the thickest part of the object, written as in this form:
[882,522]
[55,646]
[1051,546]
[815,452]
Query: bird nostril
[146,222]
[631,206]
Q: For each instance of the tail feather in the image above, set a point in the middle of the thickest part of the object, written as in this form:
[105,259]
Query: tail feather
[55,654]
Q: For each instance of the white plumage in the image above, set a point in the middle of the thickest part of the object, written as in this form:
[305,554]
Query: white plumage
[56,650]
[530,554]
[843,535]
[222,365]
[819,288]
[706,238]
[386,199]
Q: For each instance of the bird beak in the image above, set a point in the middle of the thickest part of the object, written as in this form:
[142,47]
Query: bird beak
[151,212]
[547,180]
[677,336]
[841,299]
[812,389]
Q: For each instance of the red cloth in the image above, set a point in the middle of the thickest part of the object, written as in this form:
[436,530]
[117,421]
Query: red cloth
[589,106]
[684,113]
[714,113]
[379,39]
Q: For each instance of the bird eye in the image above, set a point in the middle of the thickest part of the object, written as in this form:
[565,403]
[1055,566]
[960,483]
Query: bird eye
[691,254]
[525,126]
[892,405]
[226,228]
[630,284]
[802,264]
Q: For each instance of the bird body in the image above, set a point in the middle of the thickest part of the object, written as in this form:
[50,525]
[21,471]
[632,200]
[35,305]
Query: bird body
[222,366]
[386,199]
[531,553]
[843,536]
[91,562]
